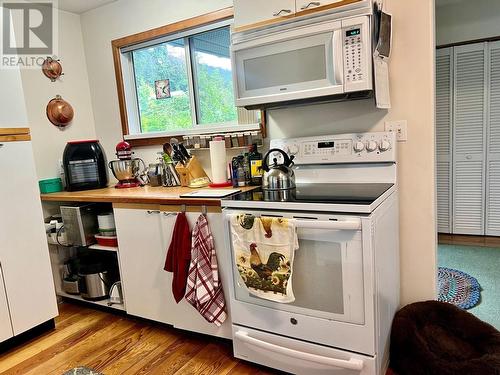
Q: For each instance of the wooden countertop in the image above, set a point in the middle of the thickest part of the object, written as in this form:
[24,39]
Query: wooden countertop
[145,195]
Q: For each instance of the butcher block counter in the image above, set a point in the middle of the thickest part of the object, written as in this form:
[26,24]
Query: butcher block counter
[139,195]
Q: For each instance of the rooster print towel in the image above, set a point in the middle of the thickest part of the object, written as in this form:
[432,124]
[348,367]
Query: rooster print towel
[263,249]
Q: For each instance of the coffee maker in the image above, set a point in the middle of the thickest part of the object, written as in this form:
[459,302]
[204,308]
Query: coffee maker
[127,170]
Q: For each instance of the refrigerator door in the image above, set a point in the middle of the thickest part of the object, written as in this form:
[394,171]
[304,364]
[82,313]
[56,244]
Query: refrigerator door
[24,253]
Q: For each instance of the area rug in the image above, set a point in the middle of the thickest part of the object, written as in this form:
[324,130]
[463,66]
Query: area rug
[458,288]
[82,371]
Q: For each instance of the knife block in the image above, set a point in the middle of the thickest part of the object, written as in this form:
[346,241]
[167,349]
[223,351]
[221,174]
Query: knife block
[190,171]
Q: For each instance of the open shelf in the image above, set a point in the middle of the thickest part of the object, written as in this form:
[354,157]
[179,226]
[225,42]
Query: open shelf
[227,149]
[100,303]
[103,248]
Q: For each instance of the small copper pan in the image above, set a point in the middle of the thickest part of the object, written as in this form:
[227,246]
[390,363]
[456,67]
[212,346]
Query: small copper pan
[59,112]
[52,69]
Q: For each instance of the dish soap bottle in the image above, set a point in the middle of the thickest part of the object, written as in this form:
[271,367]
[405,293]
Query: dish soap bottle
[255,161]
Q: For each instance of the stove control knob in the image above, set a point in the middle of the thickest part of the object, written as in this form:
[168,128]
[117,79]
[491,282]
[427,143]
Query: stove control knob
[359,146]
[293,149]
[384,145]
[371,146]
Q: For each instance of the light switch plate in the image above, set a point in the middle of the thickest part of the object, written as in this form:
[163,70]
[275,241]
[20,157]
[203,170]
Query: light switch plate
[399,127]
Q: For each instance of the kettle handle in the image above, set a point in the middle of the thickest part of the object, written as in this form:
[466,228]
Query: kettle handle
[286,158]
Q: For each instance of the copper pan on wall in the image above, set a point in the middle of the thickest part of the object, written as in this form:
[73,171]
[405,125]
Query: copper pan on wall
[52,69]
[59,112]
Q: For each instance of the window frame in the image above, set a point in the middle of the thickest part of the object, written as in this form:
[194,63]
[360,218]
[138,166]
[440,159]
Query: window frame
[126,86]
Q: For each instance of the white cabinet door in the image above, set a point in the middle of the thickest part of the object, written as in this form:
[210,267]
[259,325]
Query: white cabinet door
[444,84]
[186,316]
[146,286]
[12,98]
[5,324]
[254,13]
[305,5]
[470,113]
[493,154]
[24,252]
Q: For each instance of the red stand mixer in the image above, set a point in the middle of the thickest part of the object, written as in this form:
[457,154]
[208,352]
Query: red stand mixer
[127,170]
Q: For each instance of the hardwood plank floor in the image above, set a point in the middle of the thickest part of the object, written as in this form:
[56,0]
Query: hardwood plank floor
[117,344]
[468,240]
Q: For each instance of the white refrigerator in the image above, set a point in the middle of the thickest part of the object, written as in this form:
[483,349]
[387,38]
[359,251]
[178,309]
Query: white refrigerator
[27,293]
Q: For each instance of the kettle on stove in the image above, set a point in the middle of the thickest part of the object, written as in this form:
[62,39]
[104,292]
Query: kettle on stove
[278,177]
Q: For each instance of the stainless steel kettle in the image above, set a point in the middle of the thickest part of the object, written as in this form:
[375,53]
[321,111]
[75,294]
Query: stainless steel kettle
[278,176]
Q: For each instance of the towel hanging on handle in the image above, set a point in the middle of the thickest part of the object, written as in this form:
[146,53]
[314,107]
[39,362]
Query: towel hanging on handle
[179,256]
[263,253]
[204,289]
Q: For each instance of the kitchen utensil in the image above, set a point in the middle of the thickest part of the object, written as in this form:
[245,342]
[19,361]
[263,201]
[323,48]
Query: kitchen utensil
[184,152]
[278,176]
[127,172]
[169,176]
[51,185]
[70,280]
[59,112]
[106,221]
[155,174]
[84,165]
[108,241]
[52,69]
[115,294]
[124,151]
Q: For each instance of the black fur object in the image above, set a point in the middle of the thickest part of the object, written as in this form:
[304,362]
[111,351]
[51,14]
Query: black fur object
[437,338]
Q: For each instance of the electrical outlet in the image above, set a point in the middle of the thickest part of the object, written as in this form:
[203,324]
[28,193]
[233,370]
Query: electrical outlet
[399,127]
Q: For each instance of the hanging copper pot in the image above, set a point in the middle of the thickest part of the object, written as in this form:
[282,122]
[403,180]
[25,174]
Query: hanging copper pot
[60,112]
[52,69]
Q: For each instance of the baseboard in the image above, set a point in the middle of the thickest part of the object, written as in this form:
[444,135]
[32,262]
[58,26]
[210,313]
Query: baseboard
[28,335]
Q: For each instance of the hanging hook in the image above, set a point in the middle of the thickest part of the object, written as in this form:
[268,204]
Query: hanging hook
[183,208]
[204,210]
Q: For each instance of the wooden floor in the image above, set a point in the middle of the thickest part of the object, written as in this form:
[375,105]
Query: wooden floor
[459,239]
[115,344]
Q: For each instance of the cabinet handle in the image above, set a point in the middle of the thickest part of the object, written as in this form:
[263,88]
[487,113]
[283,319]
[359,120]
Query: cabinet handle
[287,11]
[167,214]
[311,4]
[150,212]
[1,145]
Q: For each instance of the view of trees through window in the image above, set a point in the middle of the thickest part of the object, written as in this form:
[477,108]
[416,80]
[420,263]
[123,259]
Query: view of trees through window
[162,83]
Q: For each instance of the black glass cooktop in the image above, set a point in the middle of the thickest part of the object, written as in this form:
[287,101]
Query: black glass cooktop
[319,193]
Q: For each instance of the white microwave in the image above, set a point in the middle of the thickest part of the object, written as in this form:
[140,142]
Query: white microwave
[321,61]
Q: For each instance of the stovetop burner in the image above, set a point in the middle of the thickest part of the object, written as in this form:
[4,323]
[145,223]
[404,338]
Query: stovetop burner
[334,193]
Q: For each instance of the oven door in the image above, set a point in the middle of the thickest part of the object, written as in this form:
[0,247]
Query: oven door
[331,280]
[296,64]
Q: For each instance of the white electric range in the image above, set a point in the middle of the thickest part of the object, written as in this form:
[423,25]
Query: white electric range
[346,270]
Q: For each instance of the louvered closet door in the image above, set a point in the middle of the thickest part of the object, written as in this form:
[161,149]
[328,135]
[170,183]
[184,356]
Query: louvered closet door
[469,139]
[444,66]
[493,151]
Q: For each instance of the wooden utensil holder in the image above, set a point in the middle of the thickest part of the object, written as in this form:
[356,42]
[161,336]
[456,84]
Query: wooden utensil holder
[190,171]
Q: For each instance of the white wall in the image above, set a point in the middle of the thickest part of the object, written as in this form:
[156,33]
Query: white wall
[466,20]
[115,20]
[49,141]
[412,94]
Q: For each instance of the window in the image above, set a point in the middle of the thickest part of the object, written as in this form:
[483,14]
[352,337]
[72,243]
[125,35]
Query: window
[178,83]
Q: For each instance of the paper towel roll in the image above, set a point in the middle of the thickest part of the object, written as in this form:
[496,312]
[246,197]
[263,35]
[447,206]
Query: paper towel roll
[218,161]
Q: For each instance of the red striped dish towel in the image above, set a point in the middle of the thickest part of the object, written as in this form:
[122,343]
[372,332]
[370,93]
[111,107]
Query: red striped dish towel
[204,289]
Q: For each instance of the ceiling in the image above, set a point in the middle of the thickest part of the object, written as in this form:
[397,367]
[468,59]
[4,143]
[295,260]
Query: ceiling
[82,6]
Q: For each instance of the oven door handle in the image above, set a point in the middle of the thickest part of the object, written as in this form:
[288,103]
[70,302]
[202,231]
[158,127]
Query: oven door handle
[351,364]
[352,224]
